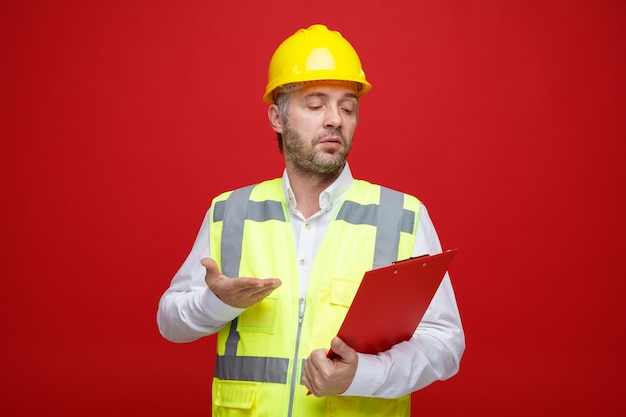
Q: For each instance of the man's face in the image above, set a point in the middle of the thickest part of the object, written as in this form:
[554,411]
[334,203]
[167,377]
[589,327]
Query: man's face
[322,118]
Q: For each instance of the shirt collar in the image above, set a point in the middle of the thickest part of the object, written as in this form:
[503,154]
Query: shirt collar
[330,197]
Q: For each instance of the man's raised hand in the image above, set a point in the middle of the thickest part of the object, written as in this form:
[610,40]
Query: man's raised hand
[237,292]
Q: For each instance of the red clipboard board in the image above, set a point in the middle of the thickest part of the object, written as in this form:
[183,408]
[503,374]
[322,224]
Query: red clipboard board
[391,302]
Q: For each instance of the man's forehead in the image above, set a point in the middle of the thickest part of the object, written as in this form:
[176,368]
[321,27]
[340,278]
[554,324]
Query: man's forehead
[326,87]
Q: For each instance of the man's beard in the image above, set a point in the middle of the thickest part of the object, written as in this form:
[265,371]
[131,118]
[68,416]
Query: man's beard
[314,163]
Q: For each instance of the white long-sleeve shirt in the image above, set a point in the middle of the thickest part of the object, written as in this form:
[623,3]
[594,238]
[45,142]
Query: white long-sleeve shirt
[188,310]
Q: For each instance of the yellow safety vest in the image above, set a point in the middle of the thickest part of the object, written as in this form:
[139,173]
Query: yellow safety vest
[261,353]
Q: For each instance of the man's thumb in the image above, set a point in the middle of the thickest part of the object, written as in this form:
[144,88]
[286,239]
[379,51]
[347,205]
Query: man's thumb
[340,347]
[212,271]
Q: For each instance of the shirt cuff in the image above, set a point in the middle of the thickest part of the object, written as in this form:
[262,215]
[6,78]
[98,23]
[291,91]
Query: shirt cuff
[368,376]
[218,310]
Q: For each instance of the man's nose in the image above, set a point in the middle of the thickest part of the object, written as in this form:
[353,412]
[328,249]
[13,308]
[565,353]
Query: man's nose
[332,118]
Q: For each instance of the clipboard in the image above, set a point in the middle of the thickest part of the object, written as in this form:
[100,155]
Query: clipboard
[391,301]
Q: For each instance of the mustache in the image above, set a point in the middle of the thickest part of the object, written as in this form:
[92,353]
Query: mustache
[328,133]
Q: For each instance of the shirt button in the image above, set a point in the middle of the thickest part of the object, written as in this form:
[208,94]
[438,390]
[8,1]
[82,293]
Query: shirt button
[307,226]
[302,262]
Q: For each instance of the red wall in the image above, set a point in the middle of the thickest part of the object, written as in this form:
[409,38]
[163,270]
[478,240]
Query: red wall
[123,119]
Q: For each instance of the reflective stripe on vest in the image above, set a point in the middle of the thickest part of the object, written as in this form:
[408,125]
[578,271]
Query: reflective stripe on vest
[238,208]
[252,368]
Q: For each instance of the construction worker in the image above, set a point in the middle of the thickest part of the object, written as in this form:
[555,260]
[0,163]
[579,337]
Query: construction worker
[275,265]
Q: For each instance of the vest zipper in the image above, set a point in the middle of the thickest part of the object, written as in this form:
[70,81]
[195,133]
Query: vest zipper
[294,370]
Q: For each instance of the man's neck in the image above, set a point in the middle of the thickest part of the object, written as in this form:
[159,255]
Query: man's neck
[307,190]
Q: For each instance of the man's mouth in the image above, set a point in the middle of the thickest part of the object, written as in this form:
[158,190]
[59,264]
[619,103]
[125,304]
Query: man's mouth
[331,140]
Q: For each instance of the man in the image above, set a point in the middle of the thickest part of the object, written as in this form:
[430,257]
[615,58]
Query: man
[298,247]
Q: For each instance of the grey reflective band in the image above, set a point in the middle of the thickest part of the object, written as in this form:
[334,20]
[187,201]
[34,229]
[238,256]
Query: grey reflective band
[355,213]
[387,228]
[233,217]
[302,369]
[262,211]
[408,221]
[233,339]
[252,368]
[258,211]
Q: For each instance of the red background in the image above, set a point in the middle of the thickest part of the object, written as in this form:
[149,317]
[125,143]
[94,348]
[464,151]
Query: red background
[122,119]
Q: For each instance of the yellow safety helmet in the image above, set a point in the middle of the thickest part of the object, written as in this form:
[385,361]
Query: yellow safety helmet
[311,54]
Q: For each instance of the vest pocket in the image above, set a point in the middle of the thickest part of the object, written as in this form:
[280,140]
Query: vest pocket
[342,291]
[362,406]
[261,317]
[234,398]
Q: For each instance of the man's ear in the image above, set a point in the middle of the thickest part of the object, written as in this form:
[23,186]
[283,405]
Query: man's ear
[273,114]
